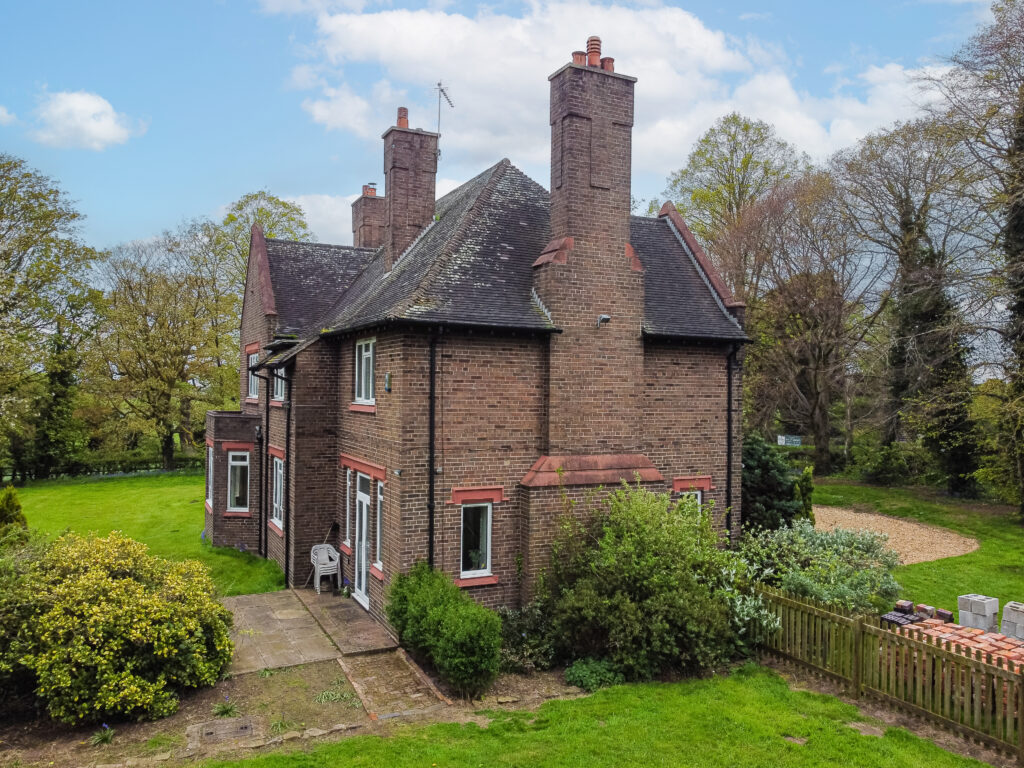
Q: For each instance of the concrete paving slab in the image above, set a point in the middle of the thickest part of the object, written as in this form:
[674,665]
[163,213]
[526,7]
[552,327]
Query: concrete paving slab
[349,625]
[274,630]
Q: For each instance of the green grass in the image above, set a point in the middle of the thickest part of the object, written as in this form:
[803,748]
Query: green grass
[996,568]
[164,511]
[736,721]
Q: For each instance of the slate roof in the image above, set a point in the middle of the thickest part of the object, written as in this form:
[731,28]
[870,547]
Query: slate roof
[308,278]
[474,266]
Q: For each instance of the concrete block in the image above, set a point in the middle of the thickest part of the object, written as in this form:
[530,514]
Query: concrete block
[1008,628]
[987,623]
[985,606]
[963,603]
[1014,611]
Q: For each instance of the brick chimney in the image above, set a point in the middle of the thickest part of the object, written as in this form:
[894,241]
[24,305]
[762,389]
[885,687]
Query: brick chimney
[410,170]
[368,215]
[588,277]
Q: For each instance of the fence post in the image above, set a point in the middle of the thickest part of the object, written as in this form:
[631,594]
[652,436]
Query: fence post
[858,643]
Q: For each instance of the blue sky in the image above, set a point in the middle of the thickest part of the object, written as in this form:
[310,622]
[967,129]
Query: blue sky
[151,113]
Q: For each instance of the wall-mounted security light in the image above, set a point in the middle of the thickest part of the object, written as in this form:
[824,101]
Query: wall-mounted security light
[602,319]
[398,473]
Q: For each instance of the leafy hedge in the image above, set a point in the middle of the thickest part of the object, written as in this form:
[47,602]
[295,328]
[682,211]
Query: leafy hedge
[107,630]
[435,619]
[774,494]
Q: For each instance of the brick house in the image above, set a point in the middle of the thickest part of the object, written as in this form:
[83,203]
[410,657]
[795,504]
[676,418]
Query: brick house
[430,392]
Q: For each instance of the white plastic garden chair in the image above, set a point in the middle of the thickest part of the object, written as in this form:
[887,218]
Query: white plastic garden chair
[326,562]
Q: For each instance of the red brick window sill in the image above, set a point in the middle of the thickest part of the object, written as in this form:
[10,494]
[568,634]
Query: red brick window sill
[275,528]
[238,514]
[377,573]
[477,581]
[345,549]
[360,408]
[277,403]
[692,483]
[252,400]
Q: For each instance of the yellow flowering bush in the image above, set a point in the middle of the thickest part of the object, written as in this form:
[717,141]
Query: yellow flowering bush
[122,632]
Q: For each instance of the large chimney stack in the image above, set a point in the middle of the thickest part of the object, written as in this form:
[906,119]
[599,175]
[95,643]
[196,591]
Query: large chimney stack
[588,276]
[368,215]
[410,171]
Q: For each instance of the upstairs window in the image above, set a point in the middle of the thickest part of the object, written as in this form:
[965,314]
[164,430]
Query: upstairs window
[366,353]
[278,393]
[476,540]
[277,507]
[238,482]
[254,383]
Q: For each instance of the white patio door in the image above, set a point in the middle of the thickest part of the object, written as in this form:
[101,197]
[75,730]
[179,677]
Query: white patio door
[361,548]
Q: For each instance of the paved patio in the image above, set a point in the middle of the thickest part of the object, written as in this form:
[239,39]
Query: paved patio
[290,627]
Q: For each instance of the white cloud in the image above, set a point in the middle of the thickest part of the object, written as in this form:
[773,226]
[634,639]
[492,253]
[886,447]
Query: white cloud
[496,67]
[755,16]
[6,117]
[79,119]
[329,216]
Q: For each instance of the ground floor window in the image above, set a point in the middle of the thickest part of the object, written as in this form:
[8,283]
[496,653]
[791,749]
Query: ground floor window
[209,475]
[238,482]
[348,507]
[698,495]
[277,512]
[476,540]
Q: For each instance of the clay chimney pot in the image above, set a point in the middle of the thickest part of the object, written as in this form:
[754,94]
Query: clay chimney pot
[579,58]
[369,190]
[403,117]
[608,64]
[594,51]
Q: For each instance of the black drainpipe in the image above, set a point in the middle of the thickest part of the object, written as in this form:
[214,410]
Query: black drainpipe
[431,418]
[263,442]
[730,361]
[287,479]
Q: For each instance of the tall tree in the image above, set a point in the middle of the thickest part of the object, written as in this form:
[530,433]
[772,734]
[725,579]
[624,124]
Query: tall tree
[737,162]
[983,104]
[905,195]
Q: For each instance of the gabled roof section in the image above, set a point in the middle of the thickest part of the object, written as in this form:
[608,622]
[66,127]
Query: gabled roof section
[307,278]
[470,267]
[679,298]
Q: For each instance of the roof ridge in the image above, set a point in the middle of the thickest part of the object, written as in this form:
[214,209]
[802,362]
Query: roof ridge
[497,172]
[317,243]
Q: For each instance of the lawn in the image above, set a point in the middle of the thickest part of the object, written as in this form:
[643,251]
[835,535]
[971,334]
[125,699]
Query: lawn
[740,720]
[996,568]
[164,511]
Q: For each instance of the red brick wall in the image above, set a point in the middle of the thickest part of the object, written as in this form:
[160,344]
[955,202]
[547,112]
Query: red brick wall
[369,213]
[229,431]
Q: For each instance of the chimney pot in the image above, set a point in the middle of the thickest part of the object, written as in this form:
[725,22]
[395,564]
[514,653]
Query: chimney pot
[594,51]
[370,190]
[608,64]
[579,58]
[403,117]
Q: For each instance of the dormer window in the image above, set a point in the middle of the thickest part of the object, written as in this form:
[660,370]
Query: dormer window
[366,353]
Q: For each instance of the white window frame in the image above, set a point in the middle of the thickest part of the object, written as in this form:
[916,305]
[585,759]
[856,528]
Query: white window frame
[377,561]
[209,475]
[486,571]
[696,493]
[277,508]
[277,392]
[365,350]
[254,382]
[348,507]
[238,459]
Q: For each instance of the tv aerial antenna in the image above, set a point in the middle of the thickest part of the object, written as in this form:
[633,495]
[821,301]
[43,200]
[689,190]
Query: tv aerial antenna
[442,93]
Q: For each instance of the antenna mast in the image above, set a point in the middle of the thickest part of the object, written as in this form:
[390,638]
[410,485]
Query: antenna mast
[442,91]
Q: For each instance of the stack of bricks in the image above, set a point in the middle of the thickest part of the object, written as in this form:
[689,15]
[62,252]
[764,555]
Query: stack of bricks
[1013,620]
[968,640]
[979,612]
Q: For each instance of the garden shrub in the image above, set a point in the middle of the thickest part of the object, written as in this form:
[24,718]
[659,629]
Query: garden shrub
[20,604]
[895,464]
[10,509]
[526,642]
[467,649]
[844,569]
[438,621]
[774,494]
[122,632]
[644,585]
[591,674]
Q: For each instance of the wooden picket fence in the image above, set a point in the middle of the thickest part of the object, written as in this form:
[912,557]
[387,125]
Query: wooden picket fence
[964,690]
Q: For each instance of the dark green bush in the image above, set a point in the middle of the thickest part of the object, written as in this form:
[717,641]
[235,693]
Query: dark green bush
[467,649]
[20,604]
[896,464]
[10,509]
[436,620]
[645,585]
[845,569]
[591,674]
[526,642]
[774,494]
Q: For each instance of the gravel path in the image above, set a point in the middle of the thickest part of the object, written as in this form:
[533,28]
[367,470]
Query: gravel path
[915,542]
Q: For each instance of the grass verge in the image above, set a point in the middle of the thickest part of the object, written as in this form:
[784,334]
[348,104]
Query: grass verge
[164,511]
[750,718]
[996,568]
